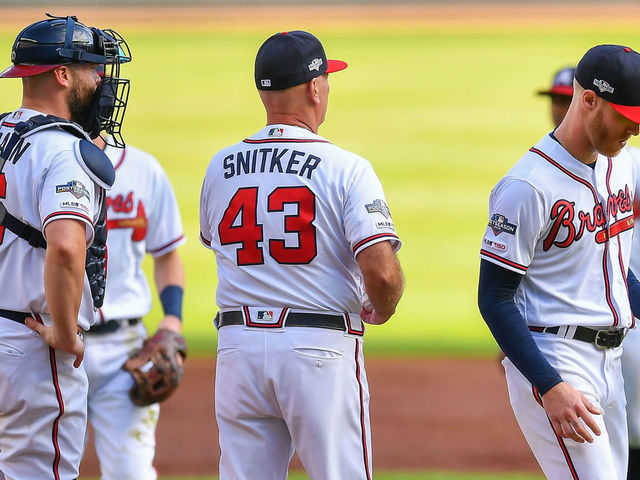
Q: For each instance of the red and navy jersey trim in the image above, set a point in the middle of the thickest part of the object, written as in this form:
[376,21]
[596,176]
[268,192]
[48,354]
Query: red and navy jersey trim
[560,440]
[168,244]
[504,261]
[567,172]
[363,411]
[55,465]
[8,124]
[284,140]
[124,152]
[204,240]
[60,214]
[386,236]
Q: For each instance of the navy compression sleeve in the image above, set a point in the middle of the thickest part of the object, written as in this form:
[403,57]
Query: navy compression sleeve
[634,293]
[496,291]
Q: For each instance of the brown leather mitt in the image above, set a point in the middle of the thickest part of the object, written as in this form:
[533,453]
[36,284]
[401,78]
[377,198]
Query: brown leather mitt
[156,369]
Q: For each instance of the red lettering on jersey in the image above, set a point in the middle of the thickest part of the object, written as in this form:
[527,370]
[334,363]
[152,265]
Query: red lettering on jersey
[138,223]
[563,216]
[121,204]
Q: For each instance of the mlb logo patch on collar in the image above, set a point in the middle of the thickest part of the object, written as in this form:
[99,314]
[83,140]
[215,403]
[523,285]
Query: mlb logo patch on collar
[276,132]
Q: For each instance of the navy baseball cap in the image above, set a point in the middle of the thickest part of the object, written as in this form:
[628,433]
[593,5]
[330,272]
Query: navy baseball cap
[562,83]
[613,73]
[288,59]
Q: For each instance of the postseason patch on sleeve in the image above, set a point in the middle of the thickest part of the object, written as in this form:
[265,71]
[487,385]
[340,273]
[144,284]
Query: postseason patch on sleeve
[75,187]
[499,224]
[379,206]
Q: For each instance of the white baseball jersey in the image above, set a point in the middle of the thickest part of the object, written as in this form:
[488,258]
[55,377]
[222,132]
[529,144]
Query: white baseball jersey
[631,345]
[323,205]
[142,217]
[567,228]
[286,213]
[43,398]
[41,182]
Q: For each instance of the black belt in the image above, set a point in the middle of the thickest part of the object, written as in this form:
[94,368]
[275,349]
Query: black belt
[15,316]
[111,326]
[602,339]
[294,319]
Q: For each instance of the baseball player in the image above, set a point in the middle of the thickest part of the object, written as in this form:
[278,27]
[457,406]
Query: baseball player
[52,182]
[301,230]
[555,286]
[560,93]
[143,217]
[631,350]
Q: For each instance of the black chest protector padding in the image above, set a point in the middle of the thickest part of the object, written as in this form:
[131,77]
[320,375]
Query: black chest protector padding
[96,164]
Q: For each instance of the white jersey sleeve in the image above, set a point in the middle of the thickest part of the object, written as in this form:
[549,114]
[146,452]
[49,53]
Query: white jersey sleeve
[165,225]
[516,220]
[43,183]
[67,193]
[142,217]
[367,219]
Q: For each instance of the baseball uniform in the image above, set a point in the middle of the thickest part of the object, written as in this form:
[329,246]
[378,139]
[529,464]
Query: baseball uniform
[142,217]
[631,349]
[42,396]
[286,212]
[566,227]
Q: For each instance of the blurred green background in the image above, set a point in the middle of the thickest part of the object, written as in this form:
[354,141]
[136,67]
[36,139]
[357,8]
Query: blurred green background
[440,102]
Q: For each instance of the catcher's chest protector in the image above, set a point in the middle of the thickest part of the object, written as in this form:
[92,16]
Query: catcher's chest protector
[99,168]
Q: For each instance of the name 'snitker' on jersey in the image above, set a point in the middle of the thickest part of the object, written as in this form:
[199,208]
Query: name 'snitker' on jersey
[270,160]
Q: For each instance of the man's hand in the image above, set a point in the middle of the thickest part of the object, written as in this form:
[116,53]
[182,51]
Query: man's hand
[570,413]
[74,345]
[368,313]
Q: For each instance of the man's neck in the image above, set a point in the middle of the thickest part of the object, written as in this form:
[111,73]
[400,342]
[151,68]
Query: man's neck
[291,119]
[572,137]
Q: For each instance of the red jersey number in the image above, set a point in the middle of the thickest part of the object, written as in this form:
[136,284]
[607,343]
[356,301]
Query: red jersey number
[239,224]
[301,224]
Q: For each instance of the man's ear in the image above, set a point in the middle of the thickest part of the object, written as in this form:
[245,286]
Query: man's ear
[589,99]
[314,90]
[62,74]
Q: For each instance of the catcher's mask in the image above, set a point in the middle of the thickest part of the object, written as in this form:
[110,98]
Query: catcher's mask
[56,41]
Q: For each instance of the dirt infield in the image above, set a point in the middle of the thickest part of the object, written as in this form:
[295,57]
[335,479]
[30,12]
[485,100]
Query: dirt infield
[440,414]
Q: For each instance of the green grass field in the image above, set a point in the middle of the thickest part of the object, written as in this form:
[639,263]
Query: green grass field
[440,110]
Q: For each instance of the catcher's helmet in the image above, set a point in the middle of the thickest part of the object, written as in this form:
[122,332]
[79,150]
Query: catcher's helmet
[56,41]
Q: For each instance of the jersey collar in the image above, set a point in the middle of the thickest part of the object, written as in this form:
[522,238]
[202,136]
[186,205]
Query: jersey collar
[280,132]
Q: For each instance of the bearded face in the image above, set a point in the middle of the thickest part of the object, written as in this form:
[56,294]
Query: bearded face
[81,95]
[609,131]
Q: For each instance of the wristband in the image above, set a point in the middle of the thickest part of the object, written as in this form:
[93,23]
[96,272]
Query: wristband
[171,299]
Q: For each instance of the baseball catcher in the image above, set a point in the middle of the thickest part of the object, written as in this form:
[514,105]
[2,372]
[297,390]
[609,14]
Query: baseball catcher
[157,369]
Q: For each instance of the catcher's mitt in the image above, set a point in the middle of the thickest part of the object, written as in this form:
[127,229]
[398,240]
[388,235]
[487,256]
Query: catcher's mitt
[156,369]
